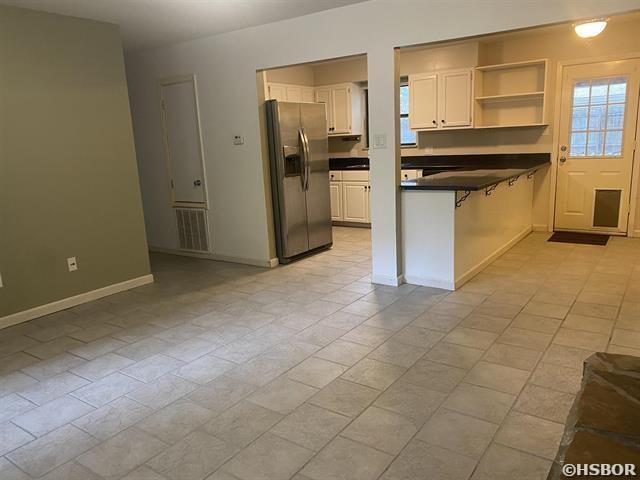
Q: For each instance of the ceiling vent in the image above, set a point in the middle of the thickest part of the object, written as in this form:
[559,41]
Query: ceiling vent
[193,233]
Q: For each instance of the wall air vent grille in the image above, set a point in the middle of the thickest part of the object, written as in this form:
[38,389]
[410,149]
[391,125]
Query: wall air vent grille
[193,232]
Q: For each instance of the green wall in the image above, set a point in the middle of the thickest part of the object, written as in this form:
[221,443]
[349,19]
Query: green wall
[68,175]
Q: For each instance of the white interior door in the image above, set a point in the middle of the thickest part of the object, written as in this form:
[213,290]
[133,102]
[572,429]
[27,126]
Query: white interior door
[597,128]
[182,136]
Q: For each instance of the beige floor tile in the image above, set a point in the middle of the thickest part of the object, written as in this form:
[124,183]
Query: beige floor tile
[381,429]
[373,374]
[497,377]
[470,337]
[625,338]
[71,471]
[52,450]
[344,458]
[460,433]
[107,389]
[12,437]
[174,422]
[310,426]
[221,393]
[512,356]
[503,463]
[282,395]
[268,458]
[589,324]
[607,312]
[204,369]
[412,401]
[581,339]
[421,461]
[498,309]
[530,434]
[242,423]
[436,321]
[546,309]
[316,372]
[519,337]
[121,453]
[566,356]
[52,415]
[480,402]
[489,323]
[396,353]
[162,392]
[344,397]
[544,403]
[561,379]
[113,418]
[435,376]
[345,353]
[192,458]
[145,473]
[454,355]
[451,309]
[536,323]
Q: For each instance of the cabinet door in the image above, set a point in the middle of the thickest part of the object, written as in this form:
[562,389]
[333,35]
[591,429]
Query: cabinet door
[423,101]
[277,92]
[335,190]
[341,109]
[294,93]
[323,95]
[368,202]
[355,201]
[454,98]
[308,95]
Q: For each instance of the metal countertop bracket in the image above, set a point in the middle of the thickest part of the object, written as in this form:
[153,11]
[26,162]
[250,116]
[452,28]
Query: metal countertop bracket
[460,200]
[488,190]
[530,175]
[513,180]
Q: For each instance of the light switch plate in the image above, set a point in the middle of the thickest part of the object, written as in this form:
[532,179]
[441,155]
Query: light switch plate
[238,140]
[72,264]
[379,140]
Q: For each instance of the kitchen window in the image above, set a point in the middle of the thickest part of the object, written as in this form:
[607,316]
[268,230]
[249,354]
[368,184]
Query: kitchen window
[407,136]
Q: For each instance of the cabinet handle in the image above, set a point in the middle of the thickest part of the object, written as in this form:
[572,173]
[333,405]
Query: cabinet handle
[434,122]
[442,121]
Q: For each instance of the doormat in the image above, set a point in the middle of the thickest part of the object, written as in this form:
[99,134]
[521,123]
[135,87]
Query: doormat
[581,238]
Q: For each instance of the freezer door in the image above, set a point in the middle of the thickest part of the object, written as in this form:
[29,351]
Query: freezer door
[314,124]
[287,178]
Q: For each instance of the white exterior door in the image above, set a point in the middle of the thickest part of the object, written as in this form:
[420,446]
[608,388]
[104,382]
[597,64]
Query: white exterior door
[454,98]
[341,109]
[323,95]
[423,99]
[335,194]
[355,201]
[182,140]
[597,139]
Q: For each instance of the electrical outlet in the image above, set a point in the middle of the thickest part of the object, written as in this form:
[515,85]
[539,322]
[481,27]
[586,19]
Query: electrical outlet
[379,141]
[72,264]
[238,140]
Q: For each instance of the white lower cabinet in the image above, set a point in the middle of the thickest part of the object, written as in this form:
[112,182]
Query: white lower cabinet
[335,192]
[349,193]
[355,196]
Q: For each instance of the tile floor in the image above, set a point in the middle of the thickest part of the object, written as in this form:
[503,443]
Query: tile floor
[227,372]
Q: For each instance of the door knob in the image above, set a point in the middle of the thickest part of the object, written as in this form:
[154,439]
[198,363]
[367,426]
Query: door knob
[197,183]
[563,159]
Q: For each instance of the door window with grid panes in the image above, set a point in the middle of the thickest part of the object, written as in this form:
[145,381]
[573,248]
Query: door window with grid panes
[597,117]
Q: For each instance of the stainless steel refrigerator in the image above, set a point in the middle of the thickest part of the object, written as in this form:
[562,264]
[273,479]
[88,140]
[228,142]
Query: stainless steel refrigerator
[299,163]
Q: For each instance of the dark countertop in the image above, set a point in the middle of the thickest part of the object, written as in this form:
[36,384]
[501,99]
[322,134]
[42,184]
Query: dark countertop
[457,172]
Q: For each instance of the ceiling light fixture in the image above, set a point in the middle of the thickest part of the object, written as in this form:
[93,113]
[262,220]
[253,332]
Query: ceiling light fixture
[590,28]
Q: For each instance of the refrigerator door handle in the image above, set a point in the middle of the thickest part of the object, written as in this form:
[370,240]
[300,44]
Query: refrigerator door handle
[303,156]
[306,156]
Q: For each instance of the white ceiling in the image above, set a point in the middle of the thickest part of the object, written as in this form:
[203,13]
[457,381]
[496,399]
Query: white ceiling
[151,23]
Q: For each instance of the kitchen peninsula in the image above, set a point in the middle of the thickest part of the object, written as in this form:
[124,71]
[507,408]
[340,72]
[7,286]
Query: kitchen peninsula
[459,212]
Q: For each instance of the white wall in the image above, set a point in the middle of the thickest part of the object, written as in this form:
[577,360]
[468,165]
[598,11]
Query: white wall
[225,67]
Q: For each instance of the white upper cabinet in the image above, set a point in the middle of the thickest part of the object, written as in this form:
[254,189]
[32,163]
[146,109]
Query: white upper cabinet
[344,108]
[290,93]
[277,92]
[454,99]
[423,101]
[440,100]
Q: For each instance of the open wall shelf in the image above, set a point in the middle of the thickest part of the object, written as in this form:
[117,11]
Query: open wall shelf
[511,95]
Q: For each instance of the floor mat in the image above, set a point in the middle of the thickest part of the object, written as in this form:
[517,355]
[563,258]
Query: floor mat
[582,238]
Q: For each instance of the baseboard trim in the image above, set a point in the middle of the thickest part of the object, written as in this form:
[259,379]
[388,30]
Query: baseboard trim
[390,280]
[430,282]
[540,228]
[271,263]
[42,310]
[472,272]
[635,233]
